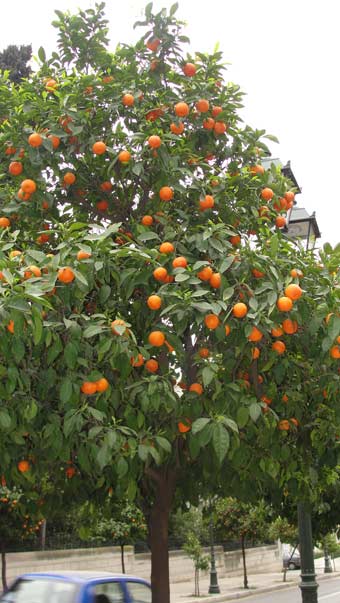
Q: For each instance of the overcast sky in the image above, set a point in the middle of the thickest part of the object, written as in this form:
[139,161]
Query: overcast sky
[284,55]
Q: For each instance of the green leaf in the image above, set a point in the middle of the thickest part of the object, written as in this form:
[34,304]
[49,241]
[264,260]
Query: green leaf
[148,236]
[220,441]
[104,293]
[242,416]
[94,330]
[207,375]
[42,54]
[254,411]
[122,467]
[18,303]
[199,424]
[37,325]
[181,277]
[202,306]
[5,419]
[18,350]
[226,263]
[103,456]
[66,390]
[80,277]
[71,355]
[164,443]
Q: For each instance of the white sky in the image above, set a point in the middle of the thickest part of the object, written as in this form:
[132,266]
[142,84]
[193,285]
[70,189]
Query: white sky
[284,55]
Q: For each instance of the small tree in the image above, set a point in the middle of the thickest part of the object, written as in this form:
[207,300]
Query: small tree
[281,529]
[190,528]
[241,521]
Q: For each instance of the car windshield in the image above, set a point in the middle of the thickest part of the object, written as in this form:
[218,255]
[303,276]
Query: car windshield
[39,590]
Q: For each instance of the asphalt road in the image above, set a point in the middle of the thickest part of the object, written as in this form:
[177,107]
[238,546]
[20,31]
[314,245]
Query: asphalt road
[328,592]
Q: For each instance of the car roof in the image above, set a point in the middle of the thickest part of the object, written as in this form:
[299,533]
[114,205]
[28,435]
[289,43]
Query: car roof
[82,576]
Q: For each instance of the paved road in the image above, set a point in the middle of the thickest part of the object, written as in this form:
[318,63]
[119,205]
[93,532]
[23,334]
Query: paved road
[328,592]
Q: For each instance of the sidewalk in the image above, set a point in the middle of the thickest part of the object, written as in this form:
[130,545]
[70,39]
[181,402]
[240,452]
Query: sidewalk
[232,587]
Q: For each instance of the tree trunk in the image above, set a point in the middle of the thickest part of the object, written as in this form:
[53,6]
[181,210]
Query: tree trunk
[122,558]
[3,569]
[197,583]
[164,482]
[245,577]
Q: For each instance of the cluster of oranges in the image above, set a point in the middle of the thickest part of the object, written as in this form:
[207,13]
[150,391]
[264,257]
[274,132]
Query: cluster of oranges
[93,387]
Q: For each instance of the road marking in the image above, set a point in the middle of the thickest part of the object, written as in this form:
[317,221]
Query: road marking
[329,596]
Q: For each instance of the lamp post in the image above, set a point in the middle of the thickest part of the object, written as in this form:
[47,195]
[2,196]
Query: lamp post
[213,586]
[302,225]
[328,566]
[308,585]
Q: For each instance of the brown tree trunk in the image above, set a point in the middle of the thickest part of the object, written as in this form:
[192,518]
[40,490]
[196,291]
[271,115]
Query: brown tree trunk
[164,482]
[245,577]
[3,569]
[122,558]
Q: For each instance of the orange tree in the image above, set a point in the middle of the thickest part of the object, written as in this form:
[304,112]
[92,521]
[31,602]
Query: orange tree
[151,306]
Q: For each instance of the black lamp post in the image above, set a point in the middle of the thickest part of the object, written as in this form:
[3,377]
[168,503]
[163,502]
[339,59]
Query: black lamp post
[301,225]
[308,585]
[213,586]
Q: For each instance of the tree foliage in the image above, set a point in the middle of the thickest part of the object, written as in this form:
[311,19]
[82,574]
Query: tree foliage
[114,155]
[14,59]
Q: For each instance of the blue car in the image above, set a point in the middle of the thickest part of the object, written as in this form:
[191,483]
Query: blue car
[78,587]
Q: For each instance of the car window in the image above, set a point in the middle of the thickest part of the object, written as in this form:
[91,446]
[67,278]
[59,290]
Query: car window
[40,591]
[139,592]
[108,592]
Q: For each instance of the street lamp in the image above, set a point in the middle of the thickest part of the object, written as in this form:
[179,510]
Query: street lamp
[301,225]
[213,586]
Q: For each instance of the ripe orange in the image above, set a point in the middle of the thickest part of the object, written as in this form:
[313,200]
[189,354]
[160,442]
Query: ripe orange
[240,310]
[204,353]
[220,127]
[235,240]
[189,69]
[209,123]
[216,110]
[215,280]
[99,147]
[197,388]
[124,156]
[290,196]
[177,128]
[151,365]
[280,204]
[102,385]
[293,291]
[267,194]
[202,105]
[147,220]
[181,109]
[255,334]
[211,321]
[128,100]
[66,275]
[70,472]
[160,274]
[180,262]
[89,388]
[294,421]
[68,178]
[153,44]
[296,273]
[205,274]
[118,322]
[255,353]
[277,331]
[154,302]
[227,330]
[283,425]
[55,140]
[136,362]
[4,222]
[35,140]
[102,205]
[106,186]
[32,271]
[154,142]
[184,427]
[280,221]
[28,186]
[51,84]
[24,466]
[10,326]
[264,211]
[285,398]
[257,273]
[83,255]
[207,203]
[257,170]
[15,168]
[289,326]
[156,338]
[10,150]
[279,347]
[166,247]
[166,193]
[284,304]
[335,351]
